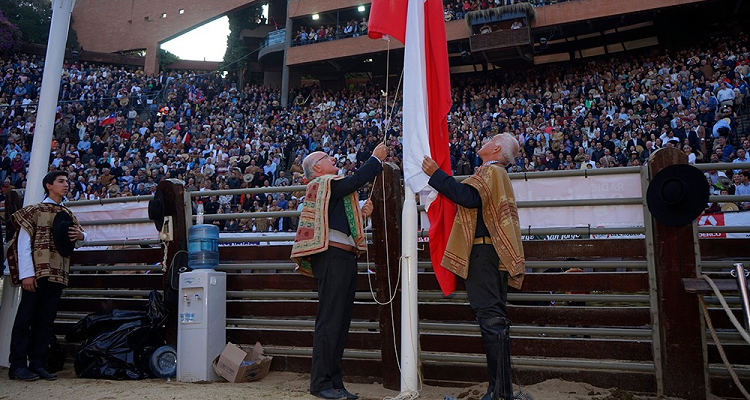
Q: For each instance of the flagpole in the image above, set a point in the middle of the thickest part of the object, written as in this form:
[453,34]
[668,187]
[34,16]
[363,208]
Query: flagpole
[409,314]
[40,150]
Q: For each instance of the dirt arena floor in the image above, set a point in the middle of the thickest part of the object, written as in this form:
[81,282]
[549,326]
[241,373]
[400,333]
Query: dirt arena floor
[277,385]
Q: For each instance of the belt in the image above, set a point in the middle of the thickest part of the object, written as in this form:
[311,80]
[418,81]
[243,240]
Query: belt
[343,246]
[483,240]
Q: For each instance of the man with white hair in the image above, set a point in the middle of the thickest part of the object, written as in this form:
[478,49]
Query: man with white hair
[330,235]
[485,249]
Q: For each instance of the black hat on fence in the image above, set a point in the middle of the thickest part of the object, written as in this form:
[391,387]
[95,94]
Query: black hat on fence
[677,195]
[60,226]
[156,209]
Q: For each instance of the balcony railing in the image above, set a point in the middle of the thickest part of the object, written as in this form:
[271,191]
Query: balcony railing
[274,37]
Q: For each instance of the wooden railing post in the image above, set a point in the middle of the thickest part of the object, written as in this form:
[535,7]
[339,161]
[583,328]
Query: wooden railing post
[177,206]
[681,344]
[387,200]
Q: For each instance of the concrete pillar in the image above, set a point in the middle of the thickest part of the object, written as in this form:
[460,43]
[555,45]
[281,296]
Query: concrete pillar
[152,60]
[272,78]
[285,68]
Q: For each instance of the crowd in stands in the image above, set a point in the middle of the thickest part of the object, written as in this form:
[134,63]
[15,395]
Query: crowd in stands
[324,33]
[457,9]
[119,132]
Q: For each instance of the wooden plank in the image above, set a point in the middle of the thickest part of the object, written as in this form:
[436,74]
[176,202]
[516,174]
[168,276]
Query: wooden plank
[292,308]
[116,281]
[176,203]
[720,319]
[92,304]
[151,255]
[254,253]
[552,316]
[737,353]
[724,387]
[696,285]
[578,248]
[288,282]
[724,249]
[386,248]
[436,372]
[447,312]
[299,338]
[354,369]
[622,282]
[580,348]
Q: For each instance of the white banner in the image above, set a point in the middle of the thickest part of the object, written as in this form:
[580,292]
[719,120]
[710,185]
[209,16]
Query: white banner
[726,219]
[255,235]
[579,188]
[109,211]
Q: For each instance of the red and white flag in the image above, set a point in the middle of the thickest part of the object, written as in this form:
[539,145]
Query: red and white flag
[420,26]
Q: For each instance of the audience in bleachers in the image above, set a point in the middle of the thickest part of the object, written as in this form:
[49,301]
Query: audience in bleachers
[119,132]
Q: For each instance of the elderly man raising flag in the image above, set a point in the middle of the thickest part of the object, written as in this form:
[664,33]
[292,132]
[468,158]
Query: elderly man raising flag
[485,249]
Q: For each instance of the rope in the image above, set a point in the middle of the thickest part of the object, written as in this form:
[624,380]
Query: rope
[726,308]
[164,261]
[719,347]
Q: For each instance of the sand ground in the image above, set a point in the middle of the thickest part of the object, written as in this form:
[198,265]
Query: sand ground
[277,385]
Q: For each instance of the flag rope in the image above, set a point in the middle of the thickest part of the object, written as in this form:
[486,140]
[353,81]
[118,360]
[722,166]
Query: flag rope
[411,394]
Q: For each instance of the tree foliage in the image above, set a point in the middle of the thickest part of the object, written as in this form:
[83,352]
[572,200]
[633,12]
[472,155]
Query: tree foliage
[166,58]
[235,58]
[10,36]
[33,18]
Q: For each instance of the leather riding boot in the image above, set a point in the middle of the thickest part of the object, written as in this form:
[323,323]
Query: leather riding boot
[496,342]
[504,380]
[491,350]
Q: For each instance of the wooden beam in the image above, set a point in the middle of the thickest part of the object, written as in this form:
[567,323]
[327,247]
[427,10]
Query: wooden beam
[696,285]
[387,199]
[680,330]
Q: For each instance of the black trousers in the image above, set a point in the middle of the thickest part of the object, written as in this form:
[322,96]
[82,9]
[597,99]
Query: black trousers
[486,286]
[33,327]
[335,272]
[487,289]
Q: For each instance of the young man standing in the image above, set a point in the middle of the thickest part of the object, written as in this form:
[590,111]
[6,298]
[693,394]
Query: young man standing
[39,260]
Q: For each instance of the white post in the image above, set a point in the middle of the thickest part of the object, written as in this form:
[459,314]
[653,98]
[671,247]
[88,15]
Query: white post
[409,316]
[38,165]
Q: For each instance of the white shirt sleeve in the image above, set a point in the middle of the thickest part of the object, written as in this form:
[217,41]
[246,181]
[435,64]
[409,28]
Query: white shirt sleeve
[25,260]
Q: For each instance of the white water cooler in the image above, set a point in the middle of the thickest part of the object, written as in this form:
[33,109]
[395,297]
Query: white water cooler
[202,322]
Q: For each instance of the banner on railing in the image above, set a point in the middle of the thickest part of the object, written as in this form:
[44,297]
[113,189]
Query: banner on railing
[726,219]
[107,212]
[580,188]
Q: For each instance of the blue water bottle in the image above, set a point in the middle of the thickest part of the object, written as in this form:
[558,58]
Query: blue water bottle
[203,246]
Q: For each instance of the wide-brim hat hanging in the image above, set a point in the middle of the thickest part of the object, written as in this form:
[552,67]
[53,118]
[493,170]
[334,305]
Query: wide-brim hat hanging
[156,209]
[60,226]
[677,195]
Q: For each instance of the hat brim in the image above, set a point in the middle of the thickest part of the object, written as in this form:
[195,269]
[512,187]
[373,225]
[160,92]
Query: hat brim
[691,204]
[156,209]
[60,226]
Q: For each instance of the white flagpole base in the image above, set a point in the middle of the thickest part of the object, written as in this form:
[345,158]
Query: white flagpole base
[410,360]
[8,306]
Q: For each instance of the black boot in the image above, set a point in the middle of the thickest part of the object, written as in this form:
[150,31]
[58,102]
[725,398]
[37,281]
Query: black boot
[491,350]
[496,339]
[504,385]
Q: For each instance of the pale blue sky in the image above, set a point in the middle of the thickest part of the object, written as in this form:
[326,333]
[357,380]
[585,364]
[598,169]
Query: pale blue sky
[208,42]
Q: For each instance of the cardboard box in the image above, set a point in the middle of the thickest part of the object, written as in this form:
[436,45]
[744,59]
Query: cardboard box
[237,365]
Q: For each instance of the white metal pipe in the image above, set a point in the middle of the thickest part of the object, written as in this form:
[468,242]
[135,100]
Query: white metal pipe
[45,122]
[409,315]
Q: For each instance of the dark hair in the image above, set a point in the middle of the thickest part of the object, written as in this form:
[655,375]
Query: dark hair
[50,179]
